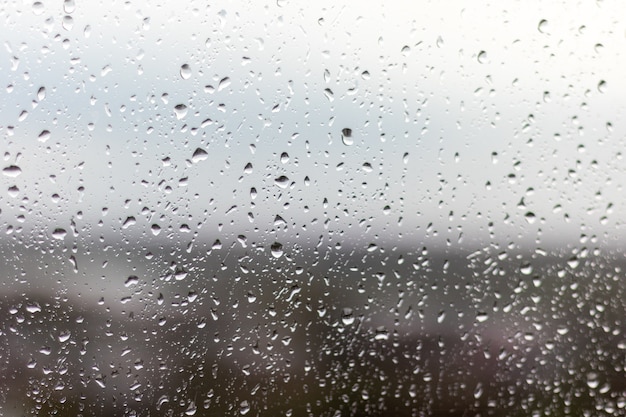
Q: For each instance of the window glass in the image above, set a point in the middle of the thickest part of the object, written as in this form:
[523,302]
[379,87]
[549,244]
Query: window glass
[312,208]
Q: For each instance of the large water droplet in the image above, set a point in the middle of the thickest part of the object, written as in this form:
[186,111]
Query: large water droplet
[12,171]
[282,181]
[199,155]
[482,57]
[180,110]
[347,316]
[59,233]
[346,136]
[185,71]
[276,249]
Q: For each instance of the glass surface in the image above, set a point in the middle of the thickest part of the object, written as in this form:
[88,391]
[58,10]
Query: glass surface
[312,208]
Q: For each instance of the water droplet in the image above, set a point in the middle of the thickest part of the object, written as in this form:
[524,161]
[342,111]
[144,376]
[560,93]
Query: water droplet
[69,6]
[346,136]
[244,408]
[542,27]
[131,280]
[277,250]
[381,334]
[481,317]
[482,57]
[406,50]
[64,336]
[284,157]
[282,181]
[347,316]
[12,171]
[526,268]
[44,136]
[602,86]
[199,155]
[33,308]
[67,23]
[329,94]
[530,217]
[224,82]
[59,233]
[38,8]
[191,410]
[185,71]
[180,110]
[156,229]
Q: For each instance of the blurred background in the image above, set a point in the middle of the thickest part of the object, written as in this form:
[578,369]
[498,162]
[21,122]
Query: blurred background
[328,209]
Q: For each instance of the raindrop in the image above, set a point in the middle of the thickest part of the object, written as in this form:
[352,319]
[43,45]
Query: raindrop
[64,336]
[180,110]
[542,27]
[156,229]
[41,93]
[67,23]
[12,171]
[131,280]
[199,155]
[347,316]
[602,86]
[481,317]
[244,408]
[38,8]
[191,410]
[482,57]
[224,82]
[69,6]
[277,250]
[44,136]
[346,136]
[59,234]
[329,94]
[185,71]
[282,181]
[33,308]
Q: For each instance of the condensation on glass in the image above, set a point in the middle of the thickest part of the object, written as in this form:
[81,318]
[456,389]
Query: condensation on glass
[324,209]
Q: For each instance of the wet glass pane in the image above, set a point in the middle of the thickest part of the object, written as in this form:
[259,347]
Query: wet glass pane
[312,209]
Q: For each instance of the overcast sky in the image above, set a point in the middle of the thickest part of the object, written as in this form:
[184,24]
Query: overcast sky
[505,114]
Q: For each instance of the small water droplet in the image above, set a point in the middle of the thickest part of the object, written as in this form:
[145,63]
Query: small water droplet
[59,234]
[44,136]
[346,136]
[69,6]
[33,308]
[224,82]
[482,57]
[180,110]
[191,410]
[185,71]
[276,249]
[347,316]
[542,27]
[64,336]
[602,86]
[128,222]
[481,317]
[38,8]
[244,408]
